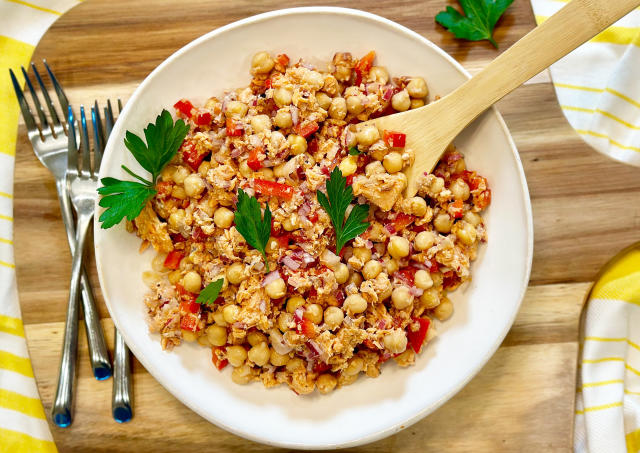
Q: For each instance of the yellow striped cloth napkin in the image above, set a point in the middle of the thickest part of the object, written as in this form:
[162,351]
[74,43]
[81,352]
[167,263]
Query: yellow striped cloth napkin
[598,88]
[23,424]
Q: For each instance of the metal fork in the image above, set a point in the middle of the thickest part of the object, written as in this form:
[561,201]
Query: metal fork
[49,141]
[82,179]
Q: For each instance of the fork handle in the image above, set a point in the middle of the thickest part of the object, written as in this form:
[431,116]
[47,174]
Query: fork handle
[121,406]
[62,411]
[98,353]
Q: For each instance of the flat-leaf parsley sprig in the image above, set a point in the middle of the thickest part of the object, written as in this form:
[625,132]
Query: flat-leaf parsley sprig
[255,229]
[210,293]
[478,22]
[339,197]
[128,198]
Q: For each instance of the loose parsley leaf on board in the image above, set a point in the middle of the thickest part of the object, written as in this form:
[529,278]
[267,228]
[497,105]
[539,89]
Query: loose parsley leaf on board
[211,292]
[353,151]
[339,197]
[478,22]
[251,225]
[127,198]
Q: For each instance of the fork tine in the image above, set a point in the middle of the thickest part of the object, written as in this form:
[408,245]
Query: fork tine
[108,118]
[44,124]
[85,167]
[98,143]
[64,102]
[119,106]
[47,98]
[103,138]
[24,107]
[72,146]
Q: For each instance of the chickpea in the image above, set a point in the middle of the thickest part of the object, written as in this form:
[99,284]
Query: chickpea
[266,173]
[223,217]
[217,335]
[341,273]
[338,108]
[294,364]
[416,104]
[204,168]
[379,74]
[417,88]
[314,79]
[157,264]
[278,359]
[465,232]
[282,96]
[395,341]
[256,337]
[180,174]
[245,170]
[437,185]
[401,101]
[398,247]
[218,318]
[166,174]
[443,222]
[343,73]
[401,297]
[459,189]
[323,99]
[262,63]
[444,310]
[283,119]
[297,144]
[368,135]
[355,303]
[418,206]
[272,245]
[349,165]
[473,218]
[326,383]
[430,298]
[236,108]
[235,273]
[362,254]
[189,336]
[354,366]
[422,279]
[424,240]
[231,313]
[192,282]
[284,320]
[355,278]
[393,162]
[259,354]
[294,303]
[391,266]
[150,278]
[193,185]
[291,223]
[177,219]
[313,313]
[333,317]
[178,192]
[276,289]
[236,355]
[241,375]
[437,278]
[371,269]
[354,105]
[331,86]
[260,123]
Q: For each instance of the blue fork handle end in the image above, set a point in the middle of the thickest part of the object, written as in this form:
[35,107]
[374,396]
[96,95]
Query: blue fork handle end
[62,419]
[123,413]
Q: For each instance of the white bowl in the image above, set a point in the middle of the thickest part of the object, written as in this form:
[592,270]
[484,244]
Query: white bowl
[370,409]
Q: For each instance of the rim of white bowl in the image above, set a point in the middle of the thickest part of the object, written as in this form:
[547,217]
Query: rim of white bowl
[396,427]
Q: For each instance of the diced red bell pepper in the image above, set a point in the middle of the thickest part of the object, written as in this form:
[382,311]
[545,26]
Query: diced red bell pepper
[267,84]
[478,182]
[450,158]
[313,217]
[406,275]
[164,188]
[233,129]
[369,344]
[189,322]
[307,129]
[456,209]
[416,338]
[198,235]
[450,280]
[349,180]
[395,139]
[483,199]
[191,155]
[183,107]
[190,306]
[432,265]
[273,189]
[203,119]
[401,222]
[217,362]
[321,367]
[306,327]
[363,66]
[254,162]
[172,261]
[283,59]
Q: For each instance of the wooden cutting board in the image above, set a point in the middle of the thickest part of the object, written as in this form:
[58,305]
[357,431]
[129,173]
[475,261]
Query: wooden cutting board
[584,204]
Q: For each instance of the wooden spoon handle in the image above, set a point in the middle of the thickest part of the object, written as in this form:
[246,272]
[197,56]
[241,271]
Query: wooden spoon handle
[574,24]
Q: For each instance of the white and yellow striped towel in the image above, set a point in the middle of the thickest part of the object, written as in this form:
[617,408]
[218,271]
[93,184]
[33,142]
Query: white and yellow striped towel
[23,425]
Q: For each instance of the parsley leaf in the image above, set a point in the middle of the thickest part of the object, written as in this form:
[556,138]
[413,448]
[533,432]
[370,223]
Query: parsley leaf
[251,225]
[353,151]
[336,202]
[210,293]
[127,198]
[478,22]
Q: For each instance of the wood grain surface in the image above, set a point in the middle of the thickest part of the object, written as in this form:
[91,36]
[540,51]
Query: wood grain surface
[584,204]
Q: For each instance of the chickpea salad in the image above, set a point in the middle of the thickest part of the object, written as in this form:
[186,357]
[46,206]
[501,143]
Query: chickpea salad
[284,241]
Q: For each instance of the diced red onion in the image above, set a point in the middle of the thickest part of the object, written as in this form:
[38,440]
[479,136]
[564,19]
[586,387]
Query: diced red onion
[267,163]
[368,244]
[348,321]
[277,341]
[255,141]
[388,93]
[294,114]
[421,266]
[298,314]
[236,152]
[307,258]
[365,100]
[306,65]
[305,209]
[322,355]
[329,258]
[270,277]
[290,263]
[415,292]
[382,324]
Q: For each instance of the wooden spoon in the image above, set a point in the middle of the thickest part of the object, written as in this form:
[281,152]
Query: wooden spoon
[431,128]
